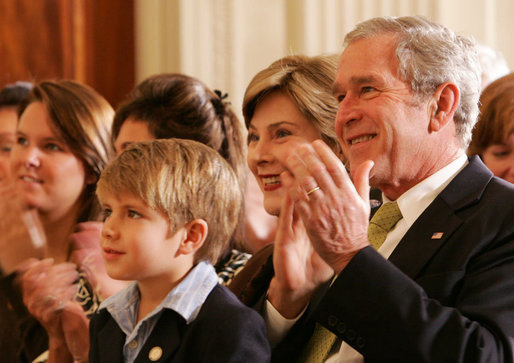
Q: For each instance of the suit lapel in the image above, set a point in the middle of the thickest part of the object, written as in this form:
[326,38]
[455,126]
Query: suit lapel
[439,221]
[111,333]
[166,337]
[430,231]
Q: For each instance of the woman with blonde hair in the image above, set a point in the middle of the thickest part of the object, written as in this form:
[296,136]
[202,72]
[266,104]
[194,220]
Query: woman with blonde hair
[62,145]
[285,105]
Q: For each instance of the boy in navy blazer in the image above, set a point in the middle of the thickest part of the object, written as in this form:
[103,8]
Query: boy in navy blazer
[170,207]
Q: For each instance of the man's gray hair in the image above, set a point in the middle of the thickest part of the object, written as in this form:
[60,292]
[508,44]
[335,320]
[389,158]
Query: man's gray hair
[429,55]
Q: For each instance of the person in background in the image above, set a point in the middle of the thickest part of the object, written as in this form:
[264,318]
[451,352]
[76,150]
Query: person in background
[170,208]
[429,278]
[62,144]
[493,64]
[178,106]
[10,97]
[493,135]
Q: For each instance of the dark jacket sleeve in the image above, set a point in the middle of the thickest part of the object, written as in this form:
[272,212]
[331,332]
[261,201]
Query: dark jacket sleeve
[386,316]
[446,292]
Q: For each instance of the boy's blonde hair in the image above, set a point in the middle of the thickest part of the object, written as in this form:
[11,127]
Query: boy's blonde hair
[183,180]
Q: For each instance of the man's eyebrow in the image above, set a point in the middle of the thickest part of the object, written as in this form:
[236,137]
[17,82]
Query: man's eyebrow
[357,80]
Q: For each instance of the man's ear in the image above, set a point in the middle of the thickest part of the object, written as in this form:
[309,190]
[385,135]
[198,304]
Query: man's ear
[443,104]
[195,235]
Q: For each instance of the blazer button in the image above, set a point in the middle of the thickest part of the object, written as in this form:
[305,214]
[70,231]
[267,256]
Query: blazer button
[352,334]
[155,354]
[332,320]
[360,342]
[132,344]
[341,328]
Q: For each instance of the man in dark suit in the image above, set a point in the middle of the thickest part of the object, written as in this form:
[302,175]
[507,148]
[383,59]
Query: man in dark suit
[439,283]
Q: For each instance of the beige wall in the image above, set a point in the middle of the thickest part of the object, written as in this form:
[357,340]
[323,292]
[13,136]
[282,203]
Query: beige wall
[225,42]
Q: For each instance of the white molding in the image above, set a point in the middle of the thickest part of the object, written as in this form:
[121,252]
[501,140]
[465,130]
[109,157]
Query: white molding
[225,42]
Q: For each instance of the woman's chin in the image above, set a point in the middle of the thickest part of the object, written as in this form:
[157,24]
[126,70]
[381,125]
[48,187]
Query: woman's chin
[272,209]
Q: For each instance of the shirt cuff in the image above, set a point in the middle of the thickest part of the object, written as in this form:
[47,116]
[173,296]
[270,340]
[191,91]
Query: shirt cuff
[276,324]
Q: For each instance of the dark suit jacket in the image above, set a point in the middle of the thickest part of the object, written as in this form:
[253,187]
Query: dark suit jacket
[224,331]
[448,299]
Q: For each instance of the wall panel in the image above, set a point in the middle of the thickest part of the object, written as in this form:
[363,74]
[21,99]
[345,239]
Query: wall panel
[224,42]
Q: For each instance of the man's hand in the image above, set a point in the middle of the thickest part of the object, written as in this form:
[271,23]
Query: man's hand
[336,215]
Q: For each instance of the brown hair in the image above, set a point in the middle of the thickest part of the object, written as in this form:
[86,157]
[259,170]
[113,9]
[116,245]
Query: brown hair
[12,94]
[178,106]
[183,180]
[308,83]
[82,118]
[496,119]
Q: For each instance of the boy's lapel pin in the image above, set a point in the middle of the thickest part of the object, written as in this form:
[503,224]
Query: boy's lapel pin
[155,354]
[437,235]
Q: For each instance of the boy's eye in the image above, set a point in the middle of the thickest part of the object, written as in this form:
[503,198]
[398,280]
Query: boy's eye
[106,214]
[340,98]
[134,214]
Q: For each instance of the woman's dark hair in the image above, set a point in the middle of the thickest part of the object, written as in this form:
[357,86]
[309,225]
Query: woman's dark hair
[12,94]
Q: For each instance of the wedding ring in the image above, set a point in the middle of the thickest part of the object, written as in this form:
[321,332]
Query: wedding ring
[313,190]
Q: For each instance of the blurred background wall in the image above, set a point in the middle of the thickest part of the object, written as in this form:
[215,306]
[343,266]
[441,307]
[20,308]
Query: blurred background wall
[91,41]
[113,44]
[225,42]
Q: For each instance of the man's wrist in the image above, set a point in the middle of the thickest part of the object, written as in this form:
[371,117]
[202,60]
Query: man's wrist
[340,264]
[289,303]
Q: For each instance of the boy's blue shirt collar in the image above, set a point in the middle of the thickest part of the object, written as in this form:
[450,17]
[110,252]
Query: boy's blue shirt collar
[186,298]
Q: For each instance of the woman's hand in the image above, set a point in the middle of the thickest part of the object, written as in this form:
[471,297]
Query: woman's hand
[298,268]
[21,233]
[75,327]
[47,288]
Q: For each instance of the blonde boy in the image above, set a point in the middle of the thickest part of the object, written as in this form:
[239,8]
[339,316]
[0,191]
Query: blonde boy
[170,207]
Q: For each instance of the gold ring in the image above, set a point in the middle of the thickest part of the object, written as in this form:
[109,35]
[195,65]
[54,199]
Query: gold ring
[313,190]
